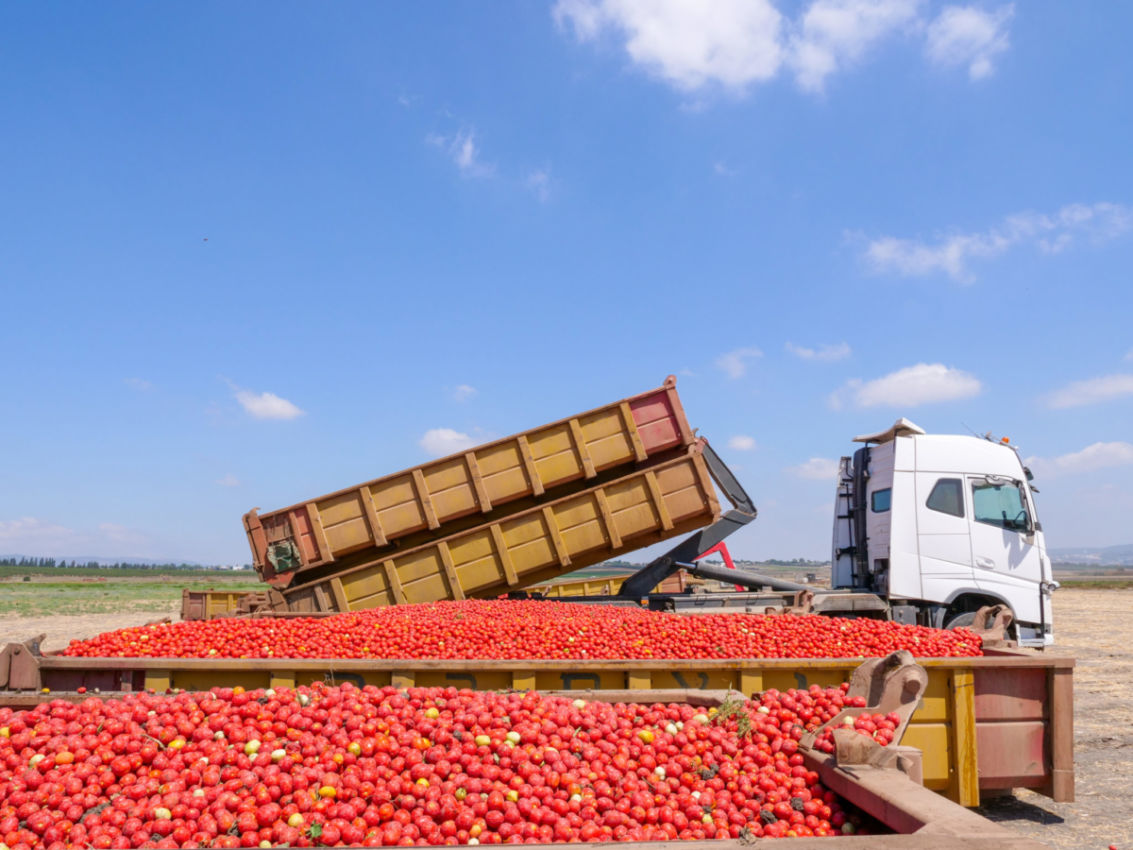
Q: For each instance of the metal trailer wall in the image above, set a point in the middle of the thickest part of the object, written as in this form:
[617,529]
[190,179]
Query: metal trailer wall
[424,502]
[576,531]
[1004,720]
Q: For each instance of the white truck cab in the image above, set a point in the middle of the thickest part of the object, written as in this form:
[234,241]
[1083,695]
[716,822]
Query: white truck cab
[940,526]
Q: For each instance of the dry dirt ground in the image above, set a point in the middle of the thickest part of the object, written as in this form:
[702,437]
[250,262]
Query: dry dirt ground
[1093,626]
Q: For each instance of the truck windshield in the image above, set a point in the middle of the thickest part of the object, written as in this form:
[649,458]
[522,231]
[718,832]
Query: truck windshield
[1001,505]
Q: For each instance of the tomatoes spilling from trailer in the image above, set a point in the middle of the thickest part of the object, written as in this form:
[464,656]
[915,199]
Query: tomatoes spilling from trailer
[528,629]
[379,766]
[881,727]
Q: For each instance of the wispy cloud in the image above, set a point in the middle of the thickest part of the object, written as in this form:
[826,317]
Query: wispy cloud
[953,254]
[924,383]
[1129,354]
[35,536]
[1094,457]
[463,392]
[823,353]
[265,405]
[538,183]
[816,469]
[30,528]
[742,43]
[463,150]
[1091,391]
[439,442]
[722,169]
[734,363]
[741,443]
[834,34]
[120,534]
[139,384]
[229,480]
[968,35]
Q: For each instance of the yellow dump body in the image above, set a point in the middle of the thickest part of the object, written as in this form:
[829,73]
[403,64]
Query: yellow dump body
[570,533]
[425,502]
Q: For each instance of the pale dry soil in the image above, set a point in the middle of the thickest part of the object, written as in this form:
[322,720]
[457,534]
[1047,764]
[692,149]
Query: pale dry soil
[1093,626]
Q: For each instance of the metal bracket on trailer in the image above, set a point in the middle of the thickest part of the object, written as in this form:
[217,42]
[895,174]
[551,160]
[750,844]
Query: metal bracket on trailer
[894,684]
[684,554]
[19,665]
[991,624]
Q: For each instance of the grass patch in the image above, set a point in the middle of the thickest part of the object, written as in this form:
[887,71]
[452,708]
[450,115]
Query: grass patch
[48,592]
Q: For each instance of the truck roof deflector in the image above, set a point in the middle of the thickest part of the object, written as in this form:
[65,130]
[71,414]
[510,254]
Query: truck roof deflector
[901,428]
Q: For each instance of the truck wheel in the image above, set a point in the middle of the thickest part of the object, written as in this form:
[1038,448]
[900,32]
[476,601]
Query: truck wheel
[961,621]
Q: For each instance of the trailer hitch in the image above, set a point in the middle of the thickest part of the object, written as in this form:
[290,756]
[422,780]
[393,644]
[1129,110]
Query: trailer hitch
[991,624]
[890,685]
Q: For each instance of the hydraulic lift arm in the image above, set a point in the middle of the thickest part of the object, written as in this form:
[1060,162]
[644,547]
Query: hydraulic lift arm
[685,553]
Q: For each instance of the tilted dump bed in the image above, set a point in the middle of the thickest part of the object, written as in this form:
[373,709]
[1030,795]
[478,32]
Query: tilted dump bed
[575,531]
[426,502]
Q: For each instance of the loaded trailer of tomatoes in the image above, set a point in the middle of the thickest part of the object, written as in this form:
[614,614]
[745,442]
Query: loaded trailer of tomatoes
[991,718]
[339,765]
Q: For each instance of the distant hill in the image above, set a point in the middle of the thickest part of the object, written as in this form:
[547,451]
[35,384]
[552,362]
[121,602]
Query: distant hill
[1121,555]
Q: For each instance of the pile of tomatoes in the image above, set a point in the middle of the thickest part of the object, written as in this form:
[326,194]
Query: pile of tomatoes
[378,766]
[529,629]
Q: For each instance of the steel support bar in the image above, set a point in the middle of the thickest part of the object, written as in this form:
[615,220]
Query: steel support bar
[638,585]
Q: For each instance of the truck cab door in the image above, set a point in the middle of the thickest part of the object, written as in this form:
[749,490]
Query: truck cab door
[944,543]
[1005,551]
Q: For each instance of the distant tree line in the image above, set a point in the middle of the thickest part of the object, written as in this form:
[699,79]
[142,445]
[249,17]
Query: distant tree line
[41,563]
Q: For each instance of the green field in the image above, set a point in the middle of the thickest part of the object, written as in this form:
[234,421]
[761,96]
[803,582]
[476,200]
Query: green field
[58,591]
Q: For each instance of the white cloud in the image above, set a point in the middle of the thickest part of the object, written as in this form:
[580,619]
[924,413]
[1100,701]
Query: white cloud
[31,529]
[139,384]
[816,469]
[1093,457]
[723,170]
[539,184]
[835,33]
[1129,354]
[1092,391]
[463,151]
[463,392]
[924,383]
[952,254]
[439,442]
[35,536]
[741,443]
[733,43]
[734,363]
[115,533]
[824,353]
[229,480]
[266,405]
[966,35]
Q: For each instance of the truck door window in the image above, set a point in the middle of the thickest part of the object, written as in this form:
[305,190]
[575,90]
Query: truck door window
[880,500]
[1001,505]
[947,496]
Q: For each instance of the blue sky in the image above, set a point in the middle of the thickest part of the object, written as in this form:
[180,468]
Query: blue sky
[251,253]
